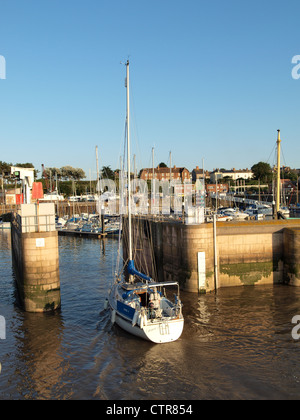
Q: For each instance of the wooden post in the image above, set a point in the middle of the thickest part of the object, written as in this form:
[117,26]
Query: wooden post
[215,254]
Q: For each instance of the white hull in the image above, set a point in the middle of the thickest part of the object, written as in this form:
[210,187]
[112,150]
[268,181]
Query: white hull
[285,212]
[221,218]
[158,332]
[137,320]
[237,215]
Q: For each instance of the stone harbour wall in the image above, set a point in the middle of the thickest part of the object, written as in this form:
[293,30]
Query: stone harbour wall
[291,241]
[248,253]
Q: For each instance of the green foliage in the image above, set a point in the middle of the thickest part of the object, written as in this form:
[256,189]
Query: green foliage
[262,171]
[70,173]
[107,172]
[5,167]
[292,175]
[24,165]
[81,187]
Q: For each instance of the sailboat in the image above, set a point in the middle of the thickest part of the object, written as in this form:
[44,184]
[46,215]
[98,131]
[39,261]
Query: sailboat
[138,304]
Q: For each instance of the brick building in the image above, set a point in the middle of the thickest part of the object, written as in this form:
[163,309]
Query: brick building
[221,188]
[197,173]
[163,174]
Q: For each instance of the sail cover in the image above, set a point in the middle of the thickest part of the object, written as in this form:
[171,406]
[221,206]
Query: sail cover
[134,272]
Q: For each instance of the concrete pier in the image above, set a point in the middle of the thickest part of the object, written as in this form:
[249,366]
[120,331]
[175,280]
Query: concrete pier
[248,253]
[35,257]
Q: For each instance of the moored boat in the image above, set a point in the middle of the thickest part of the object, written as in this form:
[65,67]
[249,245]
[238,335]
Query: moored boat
[139,305]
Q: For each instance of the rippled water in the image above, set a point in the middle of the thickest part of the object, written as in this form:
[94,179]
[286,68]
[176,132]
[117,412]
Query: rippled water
[235,345]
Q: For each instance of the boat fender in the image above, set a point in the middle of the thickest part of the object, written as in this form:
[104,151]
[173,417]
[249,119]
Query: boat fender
[135,318]
[106,304]
[113,316]
[145,320]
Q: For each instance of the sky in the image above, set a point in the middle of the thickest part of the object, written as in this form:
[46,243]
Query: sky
[211,81]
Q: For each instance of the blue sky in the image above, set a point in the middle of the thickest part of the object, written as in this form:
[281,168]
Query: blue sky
[210,80]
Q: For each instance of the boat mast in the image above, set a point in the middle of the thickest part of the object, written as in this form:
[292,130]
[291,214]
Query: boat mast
[128,164]
[278,174]
[97,167]
[153,164]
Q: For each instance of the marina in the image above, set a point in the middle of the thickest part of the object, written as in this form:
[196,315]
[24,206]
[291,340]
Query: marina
[89,226]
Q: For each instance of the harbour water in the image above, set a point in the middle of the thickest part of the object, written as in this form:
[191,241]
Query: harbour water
[236,344]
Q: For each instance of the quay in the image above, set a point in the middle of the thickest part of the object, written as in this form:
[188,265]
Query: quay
[206,257]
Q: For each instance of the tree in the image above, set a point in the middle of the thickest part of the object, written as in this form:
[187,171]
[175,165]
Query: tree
[292,175]
[107,172]
[70,173]
[24,165]
[78,174]
[162,165]
[262,171]
[5,167]
[53,172]
[4,172]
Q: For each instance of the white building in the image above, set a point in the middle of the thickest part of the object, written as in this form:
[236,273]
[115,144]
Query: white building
[233,174]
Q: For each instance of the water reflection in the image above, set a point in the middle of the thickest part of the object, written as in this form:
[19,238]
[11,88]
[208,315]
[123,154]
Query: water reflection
[39,364]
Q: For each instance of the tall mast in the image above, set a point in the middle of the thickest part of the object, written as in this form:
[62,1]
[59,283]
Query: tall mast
[97,167]
[203,171]
[134,167]
[121,189]
[278,174]
[128,162]
[153,164]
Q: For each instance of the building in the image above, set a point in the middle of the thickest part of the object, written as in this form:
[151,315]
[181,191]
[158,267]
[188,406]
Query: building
[12,197]
[287,186]
[163,174]
[197,173]
[221,188]
[233,174]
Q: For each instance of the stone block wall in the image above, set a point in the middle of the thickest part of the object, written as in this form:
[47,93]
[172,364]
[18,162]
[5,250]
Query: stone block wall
[248,253]
[291,238]
[36,262]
